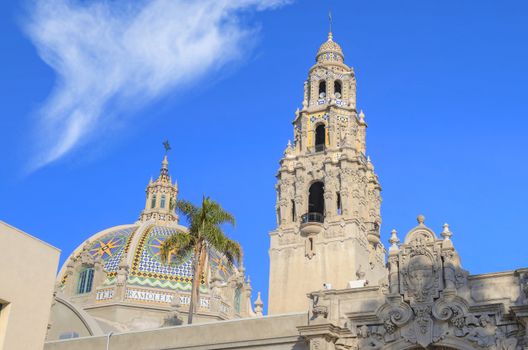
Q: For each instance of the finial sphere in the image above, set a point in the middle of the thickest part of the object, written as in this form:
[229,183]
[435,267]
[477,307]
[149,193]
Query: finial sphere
[420,219]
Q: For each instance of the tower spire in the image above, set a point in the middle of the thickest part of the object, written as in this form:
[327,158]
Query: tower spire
[161,195]
[329,24]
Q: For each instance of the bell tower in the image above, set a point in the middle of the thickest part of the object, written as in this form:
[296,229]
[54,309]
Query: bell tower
[328,195]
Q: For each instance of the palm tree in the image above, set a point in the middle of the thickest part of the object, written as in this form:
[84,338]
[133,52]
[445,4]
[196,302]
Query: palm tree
[204,230]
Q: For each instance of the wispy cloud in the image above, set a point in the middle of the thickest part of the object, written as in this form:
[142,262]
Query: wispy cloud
[111,54]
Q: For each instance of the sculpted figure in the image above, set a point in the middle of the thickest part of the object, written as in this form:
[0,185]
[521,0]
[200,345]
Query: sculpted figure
[421,276]
[485,334]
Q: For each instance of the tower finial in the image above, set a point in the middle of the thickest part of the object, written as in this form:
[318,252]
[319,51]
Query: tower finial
[167,146]
[165,162]
[329,24]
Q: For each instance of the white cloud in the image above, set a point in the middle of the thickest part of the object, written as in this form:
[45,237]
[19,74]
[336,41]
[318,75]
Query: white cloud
[111,54]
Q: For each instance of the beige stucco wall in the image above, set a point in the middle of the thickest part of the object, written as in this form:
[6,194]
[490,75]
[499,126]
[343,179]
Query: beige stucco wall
[27,267]
[293,275]
[271,333]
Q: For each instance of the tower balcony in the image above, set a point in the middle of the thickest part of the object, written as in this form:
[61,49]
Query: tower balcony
[312,223]
[319,148]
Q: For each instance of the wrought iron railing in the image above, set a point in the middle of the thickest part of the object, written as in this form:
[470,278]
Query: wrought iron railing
[320,147]
[312,217]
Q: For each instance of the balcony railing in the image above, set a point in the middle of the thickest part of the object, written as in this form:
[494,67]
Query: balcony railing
[312,217]
[320,147]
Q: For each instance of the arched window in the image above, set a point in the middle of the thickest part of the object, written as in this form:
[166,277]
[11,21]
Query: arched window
[338,89]
[320,138]
[162,202]
[338,204]
[85,280]
[293,211]
[322,89]
[316,204]
[153,201]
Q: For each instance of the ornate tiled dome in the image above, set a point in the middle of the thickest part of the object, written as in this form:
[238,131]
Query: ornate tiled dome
[121,268]
[137,248]
[330,51]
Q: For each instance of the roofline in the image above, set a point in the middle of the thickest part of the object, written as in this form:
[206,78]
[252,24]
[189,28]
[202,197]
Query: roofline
[30,236]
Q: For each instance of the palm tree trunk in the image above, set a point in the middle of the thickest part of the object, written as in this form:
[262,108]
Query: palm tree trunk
[195,284]
[198,267]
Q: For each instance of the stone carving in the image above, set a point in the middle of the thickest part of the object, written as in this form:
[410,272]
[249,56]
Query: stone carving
[502,342]
[484,334]
[315,344]
[423,305]
[523,279]
[347,343]
[370,339]
[318,310]
[289,149]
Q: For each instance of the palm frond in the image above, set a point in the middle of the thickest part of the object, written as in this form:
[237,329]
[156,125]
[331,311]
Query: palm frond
[188,209]
[232,251]
[204,228]
[216,214]
[178,245]
[223,245]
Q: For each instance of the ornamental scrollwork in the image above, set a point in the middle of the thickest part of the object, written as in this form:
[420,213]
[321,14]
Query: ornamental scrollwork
[426,303]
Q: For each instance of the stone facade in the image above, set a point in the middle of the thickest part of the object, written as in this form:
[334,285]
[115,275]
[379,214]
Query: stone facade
[429,301]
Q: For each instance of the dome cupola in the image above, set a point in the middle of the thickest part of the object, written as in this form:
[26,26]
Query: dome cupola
[330,51]
[161,198]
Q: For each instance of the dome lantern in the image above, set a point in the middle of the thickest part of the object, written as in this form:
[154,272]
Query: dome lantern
[161,198]
[330,51]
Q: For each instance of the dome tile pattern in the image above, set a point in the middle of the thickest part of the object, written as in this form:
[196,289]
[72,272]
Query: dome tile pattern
[147,262]
[330,51]
[111,247]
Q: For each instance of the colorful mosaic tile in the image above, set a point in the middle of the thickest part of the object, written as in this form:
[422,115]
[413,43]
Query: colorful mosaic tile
[147,262]
[111,247]
[219,263]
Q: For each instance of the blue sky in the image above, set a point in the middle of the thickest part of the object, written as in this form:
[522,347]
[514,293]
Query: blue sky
[442,84]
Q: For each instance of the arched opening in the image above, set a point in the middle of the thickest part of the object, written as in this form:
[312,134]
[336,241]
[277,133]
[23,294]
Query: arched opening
[338,204]
[85,280]
[320,138]
[293,211]
[316,205]
[162,202]
[338,89]
[322,89]
[153,201]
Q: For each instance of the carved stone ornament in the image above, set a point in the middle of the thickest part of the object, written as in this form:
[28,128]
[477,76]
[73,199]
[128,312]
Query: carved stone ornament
[421,308]
[318,309]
